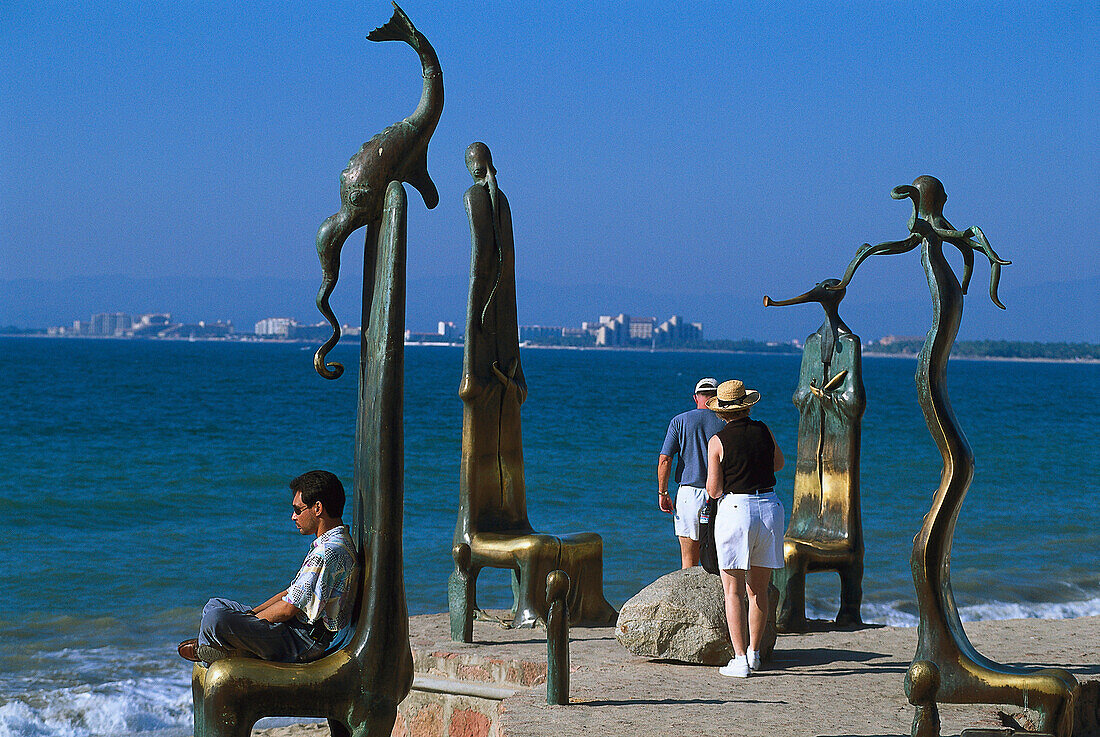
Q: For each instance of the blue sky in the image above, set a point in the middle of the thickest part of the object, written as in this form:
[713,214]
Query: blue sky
[722,149]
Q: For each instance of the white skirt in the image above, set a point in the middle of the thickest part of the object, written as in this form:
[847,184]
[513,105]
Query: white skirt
[749,531]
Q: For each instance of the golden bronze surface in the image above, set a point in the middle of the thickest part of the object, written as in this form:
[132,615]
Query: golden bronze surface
[946,667]
[825,532]
[492,517]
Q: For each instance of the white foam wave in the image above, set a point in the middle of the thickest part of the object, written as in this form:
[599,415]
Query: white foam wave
[903,613]
[1042,610]
[152,706]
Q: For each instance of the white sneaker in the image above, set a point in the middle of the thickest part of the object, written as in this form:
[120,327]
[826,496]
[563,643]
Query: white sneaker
[738,667]
[754,659]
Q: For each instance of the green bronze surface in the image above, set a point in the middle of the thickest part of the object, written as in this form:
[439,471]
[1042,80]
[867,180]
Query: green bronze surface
[946,667]
[358,687]
[492,516]
[399,153]
[825,531]
[557,639]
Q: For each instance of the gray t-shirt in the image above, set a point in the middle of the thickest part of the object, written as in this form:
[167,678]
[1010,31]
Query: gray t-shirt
[687,438]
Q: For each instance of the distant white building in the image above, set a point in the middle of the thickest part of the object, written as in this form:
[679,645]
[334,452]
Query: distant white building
[276,326]
[449,331]
[111,323]
[624,330]
[677,331]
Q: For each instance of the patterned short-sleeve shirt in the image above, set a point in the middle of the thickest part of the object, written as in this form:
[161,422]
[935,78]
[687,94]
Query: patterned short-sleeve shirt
[325,586]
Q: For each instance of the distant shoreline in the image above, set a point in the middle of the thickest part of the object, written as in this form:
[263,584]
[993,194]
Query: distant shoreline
[1017,359]
[631,349]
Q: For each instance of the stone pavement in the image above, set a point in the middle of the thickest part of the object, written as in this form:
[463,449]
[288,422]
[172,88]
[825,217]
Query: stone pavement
[828,683]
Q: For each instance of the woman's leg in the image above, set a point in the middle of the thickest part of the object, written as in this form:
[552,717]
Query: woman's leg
[758,581]
[733,586]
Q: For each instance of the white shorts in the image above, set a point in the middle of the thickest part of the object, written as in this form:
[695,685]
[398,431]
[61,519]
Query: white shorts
[690,501]
[749,531]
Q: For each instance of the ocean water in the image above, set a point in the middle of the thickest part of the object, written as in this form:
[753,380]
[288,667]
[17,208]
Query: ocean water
[141,478]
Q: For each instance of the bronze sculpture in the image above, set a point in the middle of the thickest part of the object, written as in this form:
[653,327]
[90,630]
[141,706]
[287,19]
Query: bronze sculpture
[397,154]
[825,532]
[557,639]
[946,667]
[357,687]
[493,529]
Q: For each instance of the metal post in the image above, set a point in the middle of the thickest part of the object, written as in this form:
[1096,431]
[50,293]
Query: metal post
[557,639]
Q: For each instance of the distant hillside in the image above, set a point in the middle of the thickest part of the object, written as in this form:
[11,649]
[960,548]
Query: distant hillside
[997,349]
[1051,312]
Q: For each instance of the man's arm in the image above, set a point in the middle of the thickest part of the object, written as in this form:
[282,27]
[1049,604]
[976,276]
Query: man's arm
[279,611]
[276,610]
[269,602]
[664,472]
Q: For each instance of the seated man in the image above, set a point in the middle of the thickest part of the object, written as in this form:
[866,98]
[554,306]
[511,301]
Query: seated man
[296,625]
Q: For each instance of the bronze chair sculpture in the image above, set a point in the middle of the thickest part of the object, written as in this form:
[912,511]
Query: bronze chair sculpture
[357,687]
[825,532]
[493,529]
[946,667]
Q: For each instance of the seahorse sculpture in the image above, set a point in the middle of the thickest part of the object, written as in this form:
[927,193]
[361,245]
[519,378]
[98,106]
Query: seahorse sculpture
[946,667]
[397,154]
[358,686]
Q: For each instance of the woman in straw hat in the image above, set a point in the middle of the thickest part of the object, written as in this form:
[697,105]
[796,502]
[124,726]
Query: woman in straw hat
[742,459]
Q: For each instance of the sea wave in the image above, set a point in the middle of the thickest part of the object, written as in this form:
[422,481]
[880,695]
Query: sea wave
[904,614]
[150,707]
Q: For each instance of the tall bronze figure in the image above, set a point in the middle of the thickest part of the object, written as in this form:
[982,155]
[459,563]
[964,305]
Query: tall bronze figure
[947,668]
[493,529]
[825,532]
[357,687]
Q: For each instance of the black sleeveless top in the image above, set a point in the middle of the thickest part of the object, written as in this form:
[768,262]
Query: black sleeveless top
[748,456]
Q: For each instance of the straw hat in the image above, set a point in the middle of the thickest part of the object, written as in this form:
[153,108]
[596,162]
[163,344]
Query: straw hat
[733,397]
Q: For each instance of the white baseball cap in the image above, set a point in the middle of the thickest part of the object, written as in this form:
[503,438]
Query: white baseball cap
[708,384]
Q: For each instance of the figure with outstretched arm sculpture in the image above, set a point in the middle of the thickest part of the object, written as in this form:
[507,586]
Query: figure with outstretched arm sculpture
[397,154]
[825,531]
[946,667]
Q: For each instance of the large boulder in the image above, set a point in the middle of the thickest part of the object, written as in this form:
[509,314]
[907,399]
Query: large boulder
[681,616]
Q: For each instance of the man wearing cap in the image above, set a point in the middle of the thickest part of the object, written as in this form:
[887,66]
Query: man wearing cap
[687,437]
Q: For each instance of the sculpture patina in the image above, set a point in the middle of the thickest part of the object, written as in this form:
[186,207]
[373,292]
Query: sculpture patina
[493,529]
[397,154]
[825,532]
[946,667]
[557,639]
[357,687]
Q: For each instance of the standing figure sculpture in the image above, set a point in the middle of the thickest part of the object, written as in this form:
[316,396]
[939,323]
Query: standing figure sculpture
[947,668]
[358,685]
[825,532]
[493,529]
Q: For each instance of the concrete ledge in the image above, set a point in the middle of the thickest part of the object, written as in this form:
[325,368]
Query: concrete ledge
[461,688]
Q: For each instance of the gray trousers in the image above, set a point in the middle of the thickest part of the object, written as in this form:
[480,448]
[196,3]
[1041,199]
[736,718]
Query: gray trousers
[231,626]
